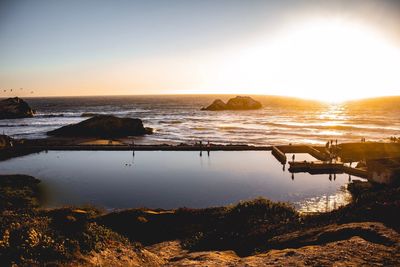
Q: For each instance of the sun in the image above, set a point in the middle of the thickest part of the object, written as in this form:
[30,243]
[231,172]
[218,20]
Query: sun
[328,60]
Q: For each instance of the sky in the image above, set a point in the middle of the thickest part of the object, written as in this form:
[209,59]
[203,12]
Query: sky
[316,49]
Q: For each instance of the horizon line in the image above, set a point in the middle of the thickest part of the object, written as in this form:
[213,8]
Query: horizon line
[203,94]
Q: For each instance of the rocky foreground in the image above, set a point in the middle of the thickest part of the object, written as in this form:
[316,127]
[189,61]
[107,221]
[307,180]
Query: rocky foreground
[354,251]
[252,233]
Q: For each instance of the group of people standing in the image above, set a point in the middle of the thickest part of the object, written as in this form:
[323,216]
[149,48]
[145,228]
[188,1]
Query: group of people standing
[208,146]
[332,147]
[329,144]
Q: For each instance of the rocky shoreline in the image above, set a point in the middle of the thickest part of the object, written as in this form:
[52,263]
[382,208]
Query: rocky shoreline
[252,233]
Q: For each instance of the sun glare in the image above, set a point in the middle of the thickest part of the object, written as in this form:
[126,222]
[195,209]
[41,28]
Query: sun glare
[325,60]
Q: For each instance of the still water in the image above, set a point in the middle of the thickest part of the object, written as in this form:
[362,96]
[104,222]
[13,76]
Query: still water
[170,179]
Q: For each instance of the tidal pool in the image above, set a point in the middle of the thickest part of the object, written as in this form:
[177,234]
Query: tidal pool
[171,179]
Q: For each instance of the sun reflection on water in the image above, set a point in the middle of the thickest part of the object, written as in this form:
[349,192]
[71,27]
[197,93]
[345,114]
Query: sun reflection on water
[325,203]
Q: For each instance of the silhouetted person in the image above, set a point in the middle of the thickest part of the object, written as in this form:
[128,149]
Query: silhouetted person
[201,153]
[330,177]
[334,176]
[349,178]
[293,176]
[208,153]
[293,157]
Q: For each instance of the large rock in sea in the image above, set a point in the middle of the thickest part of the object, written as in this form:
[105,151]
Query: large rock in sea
[103,126]
[15,108]
[237,103]
[218,104]
[243,103]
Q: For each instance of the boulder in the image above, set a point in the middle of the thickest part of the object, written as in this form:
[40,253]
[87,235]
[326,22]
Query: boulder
[103,126]
[218,104]
[15,108]
[237,103]
[243,103]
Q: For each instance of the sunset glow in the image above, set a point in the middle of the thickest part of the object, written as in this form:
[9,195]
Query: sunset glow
[332,52]
[326,60]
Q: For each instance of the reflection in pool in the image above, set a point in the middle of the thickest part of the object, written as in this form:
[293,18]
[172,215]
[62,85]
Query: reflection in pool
[171,179]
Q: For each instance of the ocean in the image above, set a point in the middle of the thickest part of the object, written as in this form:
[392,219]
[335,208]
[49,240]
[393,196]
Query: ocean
[178,119]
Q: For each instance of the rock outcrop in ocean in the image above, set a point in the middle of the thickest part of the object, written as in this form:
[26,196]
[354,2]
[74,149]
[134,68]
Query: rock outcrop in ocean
[15,108]
[107,126]
[237,103]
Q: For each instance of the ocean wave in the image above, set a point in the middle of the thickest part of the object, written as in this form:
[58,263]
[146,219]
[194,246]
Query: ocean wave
[332,127]
[229,128]
[50,115]
[170,122]
[14,125]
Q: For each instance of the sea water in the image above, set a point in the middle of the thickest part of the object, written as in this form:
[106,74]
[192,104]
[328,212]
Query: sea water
[179,119]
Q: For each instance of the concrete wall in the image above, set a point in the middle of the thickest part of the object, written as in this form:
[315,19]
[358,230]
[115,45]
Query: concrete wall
[279,155]
[304,149]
